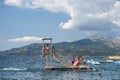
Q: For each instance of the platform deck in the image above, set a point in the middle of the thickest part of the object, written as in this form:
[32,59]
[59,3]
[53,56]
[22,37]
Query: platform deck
[81,67]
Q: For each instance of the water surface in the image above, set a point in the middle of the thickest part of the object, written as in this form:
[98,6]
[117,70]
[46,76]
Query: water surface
[26,67]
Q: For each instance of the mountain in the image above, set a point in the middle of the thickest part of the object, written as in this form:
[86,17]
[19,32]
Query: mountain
[32,49]
[90,46]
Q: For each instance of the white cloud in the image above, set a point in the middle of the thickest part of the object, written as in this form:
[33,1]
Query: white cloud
[115,13]
[117,22]
[25,39]
[18,3]
[99,15]
[85,14]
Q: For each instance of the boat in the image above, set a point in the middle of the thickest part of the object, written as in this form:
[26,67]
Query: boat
[109,61]
[91,61]
[113,58]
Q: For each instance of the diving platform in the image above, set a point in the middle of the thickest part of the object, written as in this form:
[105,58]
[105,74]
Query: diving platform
[50,54]
[81,67]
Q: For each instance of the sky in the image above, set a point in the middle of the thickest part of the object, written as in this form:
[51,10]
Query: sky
[23,22]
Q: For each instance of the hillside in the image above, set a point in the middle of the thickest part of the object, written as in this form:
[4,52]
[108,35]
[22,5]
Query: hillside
[89,46]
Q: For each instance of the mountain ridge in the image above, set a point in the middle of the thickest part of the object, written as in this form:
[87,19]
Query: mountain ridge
[89,46]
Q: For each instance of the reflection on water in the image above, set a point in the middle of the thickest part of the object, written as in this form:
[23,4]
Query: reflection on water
[32,68]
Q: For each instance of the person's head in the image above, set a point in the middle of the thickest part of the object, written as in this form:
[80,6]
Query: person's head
[53,47]
[47,44]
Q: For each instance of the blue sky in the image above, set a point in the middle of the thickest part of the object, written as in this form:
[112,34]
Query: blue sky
[23,22]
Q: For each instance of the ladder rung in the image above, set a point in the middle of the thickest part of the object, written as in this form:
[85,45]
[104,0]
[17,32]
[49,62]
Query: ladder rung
[61,59]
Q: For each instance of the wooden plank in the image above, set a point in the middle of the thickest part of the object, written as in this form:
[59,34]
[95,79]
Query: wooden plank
[47,39]
[82,67]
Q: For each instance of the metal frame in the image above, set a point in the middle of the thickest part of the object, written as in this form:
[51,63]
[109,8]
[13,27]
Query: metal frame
[50,54]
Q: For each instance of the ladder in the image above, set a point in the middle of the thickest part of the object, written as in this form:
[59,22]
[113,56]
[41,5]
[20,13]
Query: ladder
[61,59]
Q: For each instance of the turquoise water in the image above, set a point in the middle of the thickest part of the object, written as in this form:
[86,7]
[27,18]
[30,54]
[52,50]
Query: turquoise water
[32,68]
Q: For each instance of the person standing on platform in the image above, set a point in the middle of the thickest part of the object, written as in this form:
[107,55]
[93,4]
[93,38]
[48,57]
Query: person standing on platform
[73,60]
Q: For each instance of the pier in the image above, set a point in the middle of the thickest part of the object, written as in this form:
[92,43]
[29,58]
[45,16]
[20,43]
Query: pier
[50,54]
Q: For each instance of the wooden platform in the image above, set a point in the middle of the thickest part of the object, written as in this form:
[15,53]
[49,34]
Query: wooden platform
[82,67]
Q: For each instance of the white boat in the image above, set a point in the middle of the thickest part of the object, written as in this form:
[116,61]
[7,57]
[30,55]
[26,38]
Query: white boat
[109,61]
[91,61]
[113,58]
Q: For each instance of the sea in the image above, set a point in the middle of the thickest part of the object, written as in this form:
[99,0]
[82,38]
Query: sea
[31,67]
